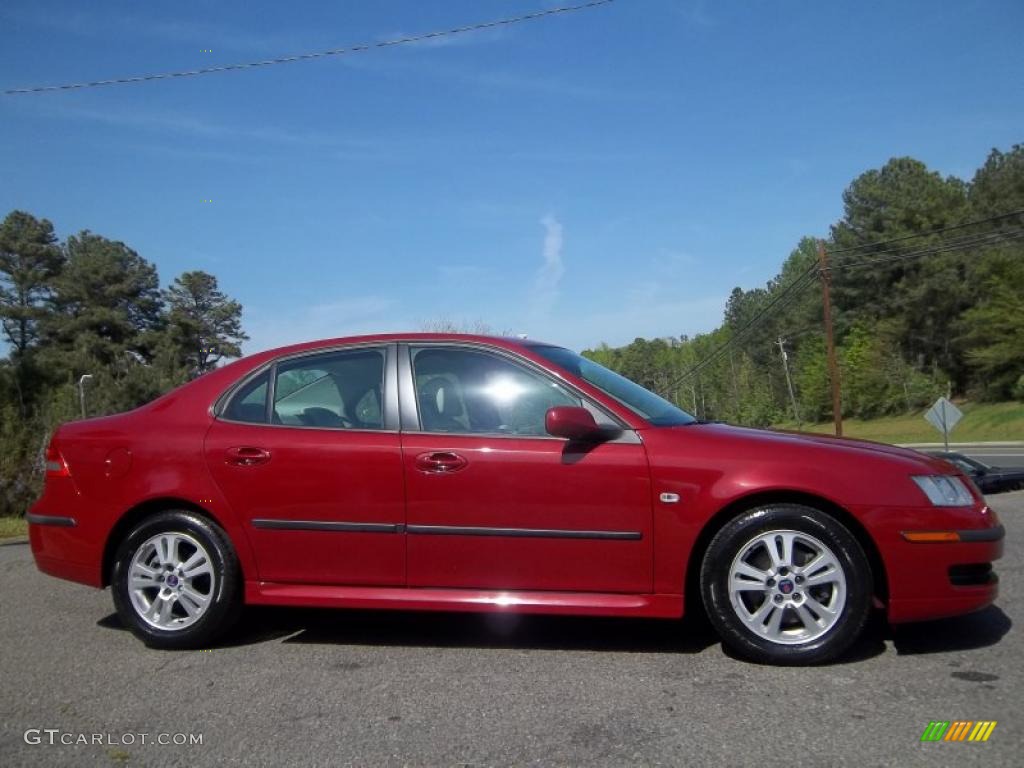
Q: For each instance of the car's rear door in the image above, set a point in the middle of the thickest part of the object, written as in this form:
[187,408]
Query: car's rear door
[496,503]
[307,453]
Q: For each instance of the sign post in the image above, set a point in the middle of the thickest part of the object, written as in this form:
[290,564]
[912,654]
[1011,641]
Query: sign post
[943,415]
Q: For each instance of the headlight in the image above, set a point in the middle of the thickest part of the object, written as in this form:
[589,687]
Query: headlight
[944,490]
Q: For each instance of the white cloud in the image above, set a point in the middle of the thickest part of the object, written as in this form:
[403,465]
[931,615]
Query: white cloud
[545,285]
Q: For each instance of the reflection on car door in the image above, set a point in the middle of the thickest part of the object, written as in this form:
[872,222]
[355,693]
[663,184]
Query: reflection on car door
[494,502]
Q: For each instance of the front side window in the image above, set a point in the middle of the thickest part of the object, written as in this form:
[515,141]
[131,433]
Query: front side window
[340,390]
[462,390]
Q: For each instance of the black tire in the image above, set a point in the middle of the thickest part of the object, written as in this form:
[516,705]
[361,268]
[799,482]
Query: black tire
[222,587]
[737,543]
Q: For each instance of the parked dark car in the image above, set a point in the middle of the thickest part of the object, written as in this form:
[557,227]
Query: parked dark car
[988,479]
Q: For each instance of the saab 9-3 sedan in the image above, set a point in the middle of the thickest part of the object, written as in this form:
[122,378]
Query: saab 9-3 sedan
[467,473]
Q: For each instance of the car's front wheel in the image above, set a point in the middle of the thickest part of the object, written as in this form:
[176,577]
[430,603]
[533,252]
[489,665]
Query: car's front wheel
[786,584]
[176,581]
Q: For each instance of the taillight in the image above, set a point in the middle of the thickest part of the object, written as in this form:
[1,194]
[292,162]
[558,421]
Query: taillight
[55,464]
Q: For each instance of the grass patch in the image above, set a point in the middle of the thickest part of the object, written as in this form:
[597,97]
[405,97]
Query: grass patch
[13,526]
[982,422]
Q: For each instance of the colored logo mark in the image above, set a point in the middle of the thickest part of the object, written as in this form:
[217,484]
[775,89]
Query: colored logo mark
[958,730]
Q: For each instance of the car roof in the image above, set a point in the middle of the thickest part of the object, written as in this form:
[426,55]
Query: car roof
[508,342]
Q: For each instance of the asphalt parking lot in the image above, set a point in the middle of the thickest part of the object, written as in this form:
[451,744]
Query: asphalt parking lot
[339,688]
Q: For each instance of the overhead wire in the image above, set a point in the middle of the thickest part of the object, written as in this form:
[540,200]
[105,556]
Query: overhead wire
[796,287]
[314,55]
[969,242]
[793,291]
[927,233]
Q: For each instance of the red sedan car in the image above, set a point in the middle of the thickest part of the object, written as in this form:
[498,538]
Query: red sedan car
[468,473]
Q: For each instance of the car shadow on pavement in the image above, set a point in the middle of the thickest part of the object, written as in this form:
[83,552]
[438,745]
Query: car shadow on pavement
[572,633]
[460,630]
[962,633]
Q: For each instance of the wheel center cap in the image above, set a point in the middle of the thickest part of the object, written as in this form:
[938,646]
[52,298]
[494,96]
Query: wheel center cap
[172,580]
[785,586]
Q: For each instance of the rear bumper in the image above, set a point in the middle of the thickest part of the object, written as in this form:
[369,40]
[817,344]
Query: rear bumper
[63,549]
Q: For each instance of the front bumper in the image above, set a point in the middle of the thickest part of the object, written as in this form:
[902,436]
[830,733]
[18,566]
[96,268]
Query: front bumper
[934,579]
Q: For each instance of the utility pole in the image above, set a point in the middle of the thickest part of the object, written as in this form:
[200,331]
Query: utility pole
[789,382]
[830,342]
[735,386]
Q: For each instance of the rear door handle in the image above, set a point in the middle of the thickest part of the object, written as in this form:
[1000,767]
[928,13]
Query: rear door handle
[246,456]
[440,461]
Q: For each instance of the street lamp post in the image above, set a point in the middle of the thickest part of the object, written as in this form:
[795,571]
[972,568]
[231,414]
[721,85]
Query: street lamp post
[81,390]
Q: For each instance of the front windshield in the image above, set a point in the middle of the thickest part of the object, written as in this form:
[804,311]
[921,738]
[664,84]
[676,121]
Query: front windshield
[657,410]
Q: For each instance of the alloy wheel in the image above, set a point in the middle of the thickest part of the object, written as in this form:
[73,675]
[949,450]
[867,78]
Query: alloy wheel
[787,587]
[171,581]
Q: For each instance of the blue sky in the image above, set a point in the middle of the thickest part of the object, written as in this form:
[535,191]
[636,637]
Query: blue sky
[591,177]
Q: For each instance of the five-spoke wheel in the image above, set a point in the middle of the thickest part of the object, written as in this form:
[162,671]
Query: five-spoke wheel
[171,580]
[175,580]
[786,584]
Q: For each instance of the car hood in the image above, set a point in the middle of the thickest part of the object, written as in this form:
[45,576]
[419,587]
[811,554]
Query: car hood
[769,440]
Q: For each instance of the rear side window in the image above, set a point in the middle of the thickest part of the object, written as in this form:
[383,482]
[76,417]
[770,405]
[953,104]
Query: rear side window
[250,402]
[339,390]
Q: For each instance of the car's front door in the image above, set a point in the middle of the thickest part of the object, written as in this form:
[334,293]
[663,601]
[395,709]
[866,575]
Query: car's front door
[307,454]
[493,502]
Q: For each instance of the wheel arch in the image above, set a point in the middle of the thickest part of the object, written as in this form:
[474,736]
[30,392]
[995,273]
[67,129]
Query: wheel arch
[736,507]
[140,512]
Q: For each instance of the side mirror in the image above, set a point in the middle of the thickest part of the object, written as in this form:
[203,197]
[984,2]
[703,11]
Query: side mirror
[572,423]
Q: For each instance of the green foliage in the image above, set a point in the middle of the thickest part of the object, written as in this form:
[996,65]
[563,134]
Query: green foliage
[205,324]
[106,303]
[92,306]
[1018,389]
[906,330]
[993,329]
[29,261]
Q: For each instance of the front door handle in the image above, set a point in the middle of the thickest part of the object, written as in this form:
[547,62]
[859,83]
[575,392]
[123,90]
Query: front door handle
[440,461]
[246,456]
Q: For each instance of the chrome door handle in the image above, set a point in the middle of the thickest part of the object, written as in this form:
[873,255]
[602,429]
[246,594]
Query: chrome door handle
[246,456]
[440,461]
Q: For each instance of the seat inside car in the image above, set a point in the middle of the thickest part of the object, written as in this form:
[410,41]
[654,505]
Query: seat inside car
[440,405]
[320,417]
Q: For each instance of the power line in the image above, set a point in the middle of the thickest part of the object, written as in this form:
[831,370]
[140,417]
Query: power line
[315,55]
[796,287]
[937,231]
[990,238]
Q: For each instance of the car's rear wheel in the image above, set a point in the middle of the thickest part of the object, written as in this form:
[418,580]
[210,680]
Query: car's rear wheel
[786,584]
[176,581]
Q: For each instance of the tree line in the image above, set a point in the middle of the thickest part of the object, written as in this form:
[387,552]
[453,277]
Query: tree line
[92,306]
[917,313]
